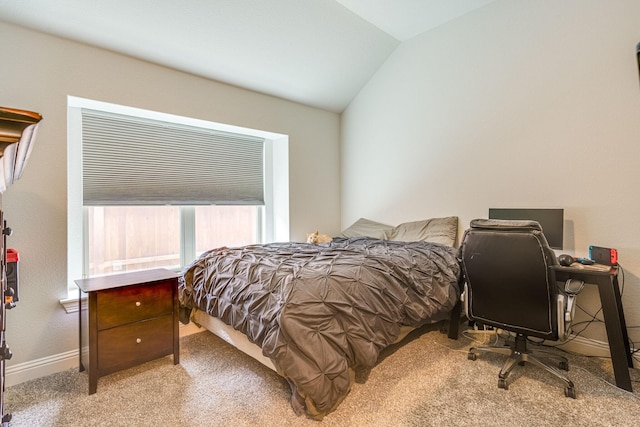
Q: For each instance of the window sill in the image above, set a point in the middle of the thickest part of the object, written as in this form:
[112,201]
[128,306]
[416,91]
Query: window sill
[70,303]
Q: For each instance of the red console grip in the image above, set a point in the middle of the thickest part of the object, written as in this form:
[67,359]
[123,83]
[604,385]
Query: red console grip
[614,256]
[12,255]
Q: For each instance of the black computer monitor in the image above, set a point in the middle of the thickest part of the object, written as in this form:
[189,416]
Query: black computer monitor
[551,221]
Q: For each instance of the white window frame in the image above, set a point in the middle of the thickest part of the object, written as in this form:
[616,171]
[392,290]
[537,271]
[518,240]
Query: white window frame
[275,219]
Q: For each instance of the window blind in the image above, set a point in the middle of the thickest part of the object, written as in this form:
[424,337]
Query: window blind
[137,161]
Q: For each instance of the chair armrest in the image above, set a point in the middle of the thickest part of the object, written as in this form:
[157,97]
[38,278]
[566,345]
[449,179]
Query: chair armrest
[566,306]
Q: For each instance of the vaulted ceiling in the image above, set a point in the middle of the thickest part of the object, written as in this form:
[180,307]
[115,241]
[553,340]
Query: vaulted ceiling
[316,52]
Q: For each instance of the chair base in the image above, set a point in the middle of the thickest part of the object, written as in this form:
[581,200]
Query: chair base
[519,354]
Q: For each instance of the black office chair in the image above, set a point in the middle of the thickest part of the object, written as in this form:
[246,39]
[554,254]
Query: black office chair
[509,285]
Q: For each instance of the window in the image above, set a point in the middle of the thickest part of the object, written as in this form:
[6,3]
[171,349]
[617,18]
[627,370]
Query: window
[225,226]
[133,206]
[129,238]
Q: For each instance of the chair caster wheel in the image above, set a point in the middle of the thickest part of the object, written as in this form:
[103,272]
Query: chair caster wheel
[570,392]
[564,365]
[502,383]
[472,356]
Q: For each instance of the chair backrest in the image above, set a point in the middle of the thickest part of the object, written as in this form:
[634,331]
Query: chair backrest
[508,280]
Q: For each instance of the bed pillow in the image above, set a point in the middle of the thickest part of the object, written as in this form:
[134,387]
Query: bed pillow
[435,230]
[367,228]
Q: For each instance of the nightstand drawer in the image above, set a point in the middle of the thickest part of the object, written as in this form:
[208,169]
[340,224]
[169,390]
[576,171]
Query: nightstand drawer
[130,304]
[139,342]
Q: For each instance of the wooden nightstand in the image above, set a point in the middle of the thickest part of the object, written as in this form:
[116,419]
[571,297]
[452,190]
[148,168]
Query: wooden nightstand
[130,318]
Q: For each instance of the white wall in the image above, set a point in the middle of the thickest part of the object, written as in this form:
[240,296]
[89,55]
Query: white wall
[37,72]
[520,103]
[517,104]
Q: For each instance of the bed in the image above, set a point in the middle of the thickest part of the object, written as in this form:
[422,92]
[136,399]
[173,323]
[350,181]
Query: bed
[316,313]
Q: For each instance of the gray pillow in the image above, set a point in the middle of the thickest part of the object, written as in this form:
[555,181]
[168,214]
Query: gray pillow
[435,230]
[367,228]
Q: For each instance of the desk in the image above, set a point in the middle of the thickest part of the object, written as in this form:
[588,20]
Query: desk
[607,282]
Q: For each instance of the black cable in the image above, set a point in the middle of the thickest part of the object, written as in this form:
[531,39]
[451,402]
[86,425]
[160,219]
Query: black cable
[595,319]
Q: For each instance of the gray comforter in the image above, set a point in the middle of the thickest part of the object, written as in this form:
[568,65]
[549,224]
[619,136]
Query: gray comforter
[322,311]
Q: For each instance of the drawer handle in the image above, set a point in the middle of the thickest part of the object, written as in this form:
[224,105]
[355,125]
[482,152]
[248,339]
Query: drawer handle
[138,340]
[137,303]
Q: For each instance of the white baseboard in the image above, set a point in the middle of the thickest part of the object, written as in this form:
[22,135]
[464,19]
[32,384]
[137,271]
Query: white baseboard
[33,369]
[585,346]
[589,347]
[189,329]
[26,371]
[38,368]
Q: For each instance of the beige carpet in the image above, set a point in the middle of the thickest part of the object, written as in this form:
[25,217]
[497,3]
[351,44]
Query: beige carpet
[426,382]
